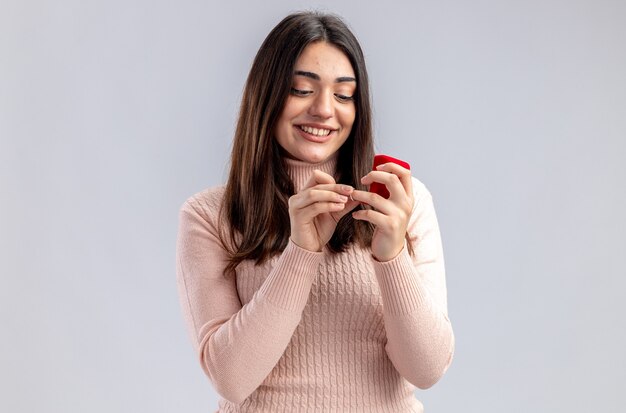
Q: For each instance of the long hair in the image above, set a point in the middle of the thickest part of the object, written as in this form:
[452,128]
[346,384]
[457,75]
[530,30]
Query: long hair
[255,206]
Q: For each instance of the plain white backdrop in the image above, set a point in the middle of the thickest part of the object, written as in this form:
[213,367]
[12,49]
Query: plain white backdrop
[112,113]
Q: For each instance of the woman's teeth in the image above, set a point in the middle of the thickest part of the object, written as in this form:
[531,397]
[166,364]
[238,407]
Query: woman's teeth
[315,131]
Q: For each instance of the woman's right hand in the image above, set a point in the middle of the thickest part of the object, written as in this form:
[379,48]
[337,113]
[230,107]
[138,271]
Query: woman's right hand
[316,209]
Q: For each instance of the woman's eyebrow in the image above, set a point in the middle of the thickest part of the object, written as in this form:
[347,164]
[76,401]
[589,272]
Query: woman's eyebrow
[315,76]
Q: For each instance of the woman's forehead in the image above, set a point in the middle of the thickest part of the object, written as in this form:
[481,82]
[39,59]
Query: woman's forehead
[324,61]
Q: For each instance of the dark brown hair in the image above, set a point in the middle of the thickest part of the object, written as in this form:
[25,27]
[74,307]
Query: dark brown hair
[255,206]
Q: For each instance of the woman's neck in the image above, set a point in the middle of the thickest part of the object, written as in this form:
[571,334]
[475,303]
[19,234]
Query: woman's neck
[301,171]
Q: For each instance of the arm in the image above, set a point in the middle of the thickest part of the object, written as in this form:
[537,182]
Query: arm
[237,345]
[420,340]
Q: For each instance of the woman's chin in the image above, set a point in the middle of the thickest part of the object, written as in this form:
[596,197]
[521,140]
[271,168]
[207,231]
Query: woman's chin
[317,157]
[311,156]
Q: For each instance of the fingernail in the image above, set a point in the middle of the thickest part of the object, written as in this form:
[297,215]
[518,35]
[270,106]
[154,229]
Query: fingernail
[347,188]
[343,198]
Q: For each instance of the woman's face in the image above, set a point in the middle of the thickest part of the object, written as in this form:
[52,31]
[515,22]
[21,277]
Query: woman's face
[319,112]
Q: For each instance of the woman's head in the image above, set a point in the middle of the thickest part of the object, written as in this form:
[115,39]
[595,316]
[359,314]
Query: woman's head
[271,117]
[318,114]
[270,82]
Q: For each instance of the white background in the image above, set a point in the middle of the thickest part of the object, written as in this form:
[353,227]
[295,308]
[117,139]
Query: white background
[112,113]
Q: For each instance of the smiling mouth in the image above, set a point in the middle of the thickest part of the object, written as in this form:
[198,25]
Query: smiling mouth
[315,131]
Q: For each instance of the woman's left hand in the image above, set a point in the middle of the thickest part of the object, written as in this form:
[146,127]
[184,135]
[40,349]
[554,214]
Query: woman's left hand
[389,216]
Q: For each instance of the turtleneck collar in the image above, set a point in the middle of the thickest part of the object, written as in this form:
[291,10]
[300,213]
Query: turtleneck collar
[300,171]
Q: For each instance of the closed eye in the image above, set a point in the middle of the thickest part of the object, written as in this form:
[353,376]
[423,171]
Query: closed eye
[343,98]
[300,92]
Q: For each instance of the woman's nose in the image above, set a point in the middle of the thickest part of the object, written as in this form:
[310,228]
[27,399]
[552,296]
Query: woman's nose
[322,106]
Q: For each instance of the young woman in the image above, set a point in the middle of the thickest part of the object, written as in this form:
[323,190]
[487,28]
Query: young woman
[302,291]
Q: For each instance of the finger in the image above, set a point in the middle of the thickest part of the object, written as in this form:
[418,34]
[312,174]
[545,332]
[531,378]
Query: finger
[341,189]
[374,217]
[350,205]
[318,208]
[314,195]
[403,174]
[321,192]
[374,200]
[394,168]
[319,177]
[390,180]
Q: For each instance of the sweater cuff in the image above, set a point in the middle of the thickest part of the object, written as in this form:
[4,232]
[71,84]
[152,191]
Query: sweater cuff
[401,290]
[289,283]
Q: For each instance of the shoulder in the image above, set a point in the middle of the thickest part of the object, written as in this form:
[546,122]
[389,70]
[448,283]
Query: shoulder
[423,215]
[205,204]
[421,193]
